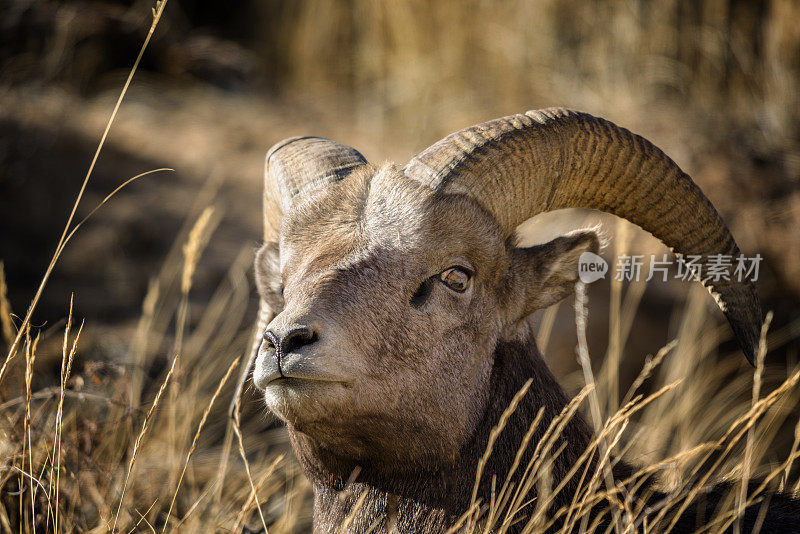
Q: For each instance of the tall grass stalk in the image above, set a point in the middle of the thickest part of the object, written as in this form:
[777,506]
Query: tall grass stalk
[193,446]
[157,12]
[140,438]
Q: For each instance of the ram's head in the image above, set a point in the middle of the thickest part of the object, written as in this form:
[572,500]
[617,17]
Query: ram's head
[393,287]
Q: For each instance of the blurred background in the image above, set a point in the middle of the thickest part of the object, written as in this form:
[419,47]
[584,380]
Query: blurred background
[714,83]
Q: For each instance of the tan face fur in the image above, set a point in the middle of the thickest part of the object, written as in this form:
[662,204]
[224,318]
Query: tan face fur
[394,364]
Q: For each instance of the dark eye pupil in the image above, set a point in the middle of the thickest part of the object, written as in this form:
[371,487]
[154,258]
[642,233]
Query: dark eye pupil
[456,279]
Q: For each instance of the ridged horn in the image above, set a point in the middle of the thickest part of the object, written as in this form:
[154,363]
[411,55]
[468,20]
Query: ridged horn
[522,165]
[298,165]
[292,168]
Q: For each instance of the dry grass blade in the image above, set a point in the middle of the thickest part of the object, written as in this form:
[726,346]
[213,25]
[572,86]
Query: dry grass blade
[30,358]
[140,437]
[68,354]
[264,314]
[541,450]
[139,345]
[615,342]
[142,517]
[196,436]
[253,490]
[748,453]
[546,327]
[790,460]
[5,308]
[650,365]
[160,5]
[193,249]
[619,420]
[494,434]
[36,483]
[352,515]
[592,497]
[594,401]
[731,437]
[108,197]
[252,496]
[503,495]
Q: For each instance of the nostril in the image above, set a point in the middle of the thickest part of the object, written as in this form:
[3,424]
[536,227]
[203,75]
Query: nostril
[296,338]
[271,341]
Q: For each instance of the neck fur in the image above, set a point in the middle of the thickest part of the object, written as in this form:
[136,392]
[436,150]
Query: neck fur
[431,501]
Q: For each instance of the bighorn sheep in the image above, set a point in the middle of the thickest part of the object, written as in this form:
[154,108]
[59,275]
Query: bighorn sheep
[395,318]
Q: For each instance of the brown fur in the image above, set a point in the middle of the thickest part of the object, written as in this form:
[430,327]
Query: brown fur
[398,392]
[415,390]
[430,500]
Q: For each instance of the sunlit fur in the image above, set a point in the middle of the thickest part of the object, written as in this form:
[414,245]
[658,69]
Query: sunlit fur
[416,383]
[399,397]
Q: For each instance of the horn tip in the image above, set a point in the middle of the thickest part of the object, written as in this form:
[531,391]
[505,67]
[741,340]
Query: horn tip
[747,334]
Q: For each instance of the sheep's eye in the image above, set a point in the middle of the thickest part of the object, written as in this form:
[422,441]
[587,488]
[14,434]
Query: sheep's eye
[456,279]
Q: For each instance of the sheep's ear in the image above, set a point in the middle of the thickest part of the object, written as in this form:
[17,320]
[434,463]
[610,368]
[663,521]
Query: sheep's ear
[545,274]
[268,276]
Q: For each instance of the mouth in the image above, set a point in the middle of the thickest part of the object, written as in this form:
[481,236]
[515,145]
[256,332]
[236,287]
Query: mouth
[299,399]
[295,371]
[294,381]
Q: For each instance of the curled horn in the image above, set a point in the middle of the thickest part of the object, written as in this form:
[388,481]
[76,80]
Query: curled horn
[522,165]
[293,168]
[298,165]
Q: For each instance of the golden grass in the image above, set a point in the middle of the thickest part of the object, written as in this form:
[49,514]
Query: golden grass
[163,475]
[69,230]
[128,479]
[73,460]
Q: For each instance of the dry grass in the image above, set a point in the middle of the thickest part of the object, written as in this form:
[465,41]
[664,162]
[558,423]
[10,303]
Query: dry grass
[93,462]
[135,444]
[126,452]
[83,457]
